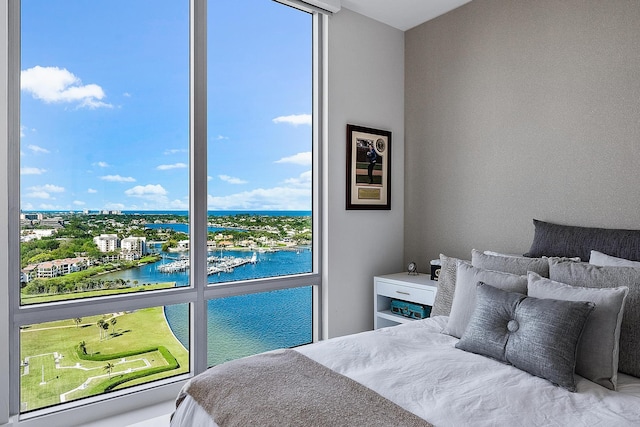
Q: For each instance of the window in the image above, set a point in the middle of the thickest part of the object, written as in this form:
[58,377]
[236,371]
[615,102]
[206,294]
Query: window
[168,215]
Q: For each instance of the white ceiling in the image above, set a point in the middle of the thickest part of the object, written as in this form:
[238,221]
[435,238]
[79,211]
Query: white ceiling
[402,14]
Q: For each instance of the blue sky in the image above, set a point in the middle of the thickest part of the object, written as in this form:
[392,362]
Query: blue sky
[105,105]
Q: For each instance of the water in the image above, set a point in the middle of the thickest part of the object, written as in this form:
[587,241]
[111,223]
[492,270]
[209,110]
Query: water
[246,324]
[184,228]
[223,213]
[243,325]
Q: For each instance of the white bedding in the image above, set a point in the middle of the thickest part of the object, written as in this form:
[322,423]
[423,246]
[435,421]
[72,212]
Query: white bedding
[417,367]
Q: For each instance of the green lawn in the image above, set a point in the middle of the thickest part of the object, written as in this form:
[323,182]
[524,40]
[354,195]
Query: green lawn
[36,299]
[51,349]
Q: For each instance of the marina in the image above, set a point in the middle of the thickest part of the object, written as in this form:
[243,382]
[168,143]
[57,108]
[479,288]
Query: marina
[221,264]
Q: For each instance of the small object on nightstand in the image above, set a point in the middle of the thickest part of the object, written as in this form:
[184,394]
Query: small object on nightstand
[412,268]
[412,291]
[435,269]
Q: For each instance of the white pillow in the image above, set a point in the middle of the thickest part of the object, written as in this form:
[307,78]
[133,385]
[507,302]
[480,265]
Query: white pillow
[464,297]
[604,260]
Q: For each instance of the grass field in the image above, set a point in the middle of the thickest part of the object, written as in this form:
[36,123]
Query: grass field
[55,373]
[36,299]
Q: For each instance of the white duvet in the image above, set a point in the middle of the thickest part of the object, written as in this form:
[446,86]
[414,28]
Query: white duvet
[417,367]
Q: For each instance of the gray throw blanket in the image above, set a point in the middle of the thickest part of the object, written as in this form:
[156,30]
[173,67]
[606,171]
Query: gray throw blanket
[286,388]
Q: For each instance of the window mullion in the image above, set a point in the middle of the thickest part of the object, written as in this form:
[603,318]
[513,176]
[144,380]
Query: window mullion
[198,180]
[13,202]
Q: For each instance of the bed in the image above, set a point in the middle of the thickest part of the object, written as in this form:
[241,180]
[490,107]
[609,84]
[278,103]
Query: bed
[512,341]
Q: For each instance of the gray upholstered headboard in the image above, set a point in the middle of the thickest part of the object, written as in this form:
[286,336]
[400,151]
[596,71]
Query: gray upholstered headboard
[572,241]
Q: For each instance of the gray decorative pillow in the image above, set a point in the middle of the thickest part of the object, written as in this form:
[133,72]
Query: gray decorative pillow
[571,241]
[598,258]
[539,336]
[510,264]
[591,276]
[598,350]
[446,286]
[464,299]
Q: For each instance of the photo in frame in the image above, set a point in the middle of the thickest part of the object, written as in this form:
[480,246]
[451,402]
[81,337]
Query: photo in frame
[368,168]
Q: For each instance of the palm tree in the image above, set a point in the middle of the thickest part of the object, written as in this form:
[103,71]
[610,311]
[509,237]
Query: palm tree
[109,367]
[113,322]
[105,326]
[100,326]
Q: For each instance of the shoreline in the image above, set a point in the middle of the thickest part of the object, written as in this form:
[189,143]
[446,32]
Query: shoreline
[164,314]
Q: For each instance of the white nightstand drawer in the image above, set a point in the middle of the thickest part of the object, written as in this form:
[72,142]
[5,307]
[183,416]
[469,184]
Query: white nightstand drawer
[407,293]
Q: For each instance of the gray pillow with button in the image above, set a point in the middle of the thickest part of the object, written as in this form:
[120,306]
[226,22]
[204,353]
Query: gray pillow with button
[539,336]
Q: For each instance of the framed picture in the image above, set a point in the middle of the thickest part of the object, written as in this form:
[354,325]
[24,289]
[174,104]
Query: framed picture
[368,168]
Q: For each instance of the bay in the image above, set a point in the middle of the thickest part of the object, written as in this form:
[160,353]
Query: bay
[246,324]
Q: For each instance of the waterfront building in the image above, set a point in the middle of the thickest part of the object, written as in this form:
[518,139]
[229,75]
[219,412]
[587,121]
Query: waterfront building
[106,242]
[133,248]
[55,268]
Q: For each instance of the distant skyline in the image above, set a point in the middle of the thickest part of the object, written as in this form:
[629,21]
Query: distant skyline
[105,108]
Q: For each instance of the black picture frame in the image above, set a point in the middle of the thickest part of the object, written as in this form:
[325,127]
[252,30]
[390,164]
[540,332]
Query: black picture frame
[368,168]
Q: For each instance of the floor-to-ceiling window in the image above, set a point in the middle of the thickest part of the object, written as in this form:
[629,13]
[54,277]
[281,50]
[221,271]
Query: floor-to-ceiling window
[167,191]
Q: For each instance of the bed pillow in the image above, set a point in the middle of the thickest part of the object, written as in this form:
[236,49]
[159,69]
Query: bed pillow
[598,258]
[509,264]
[446,286]
[592,276]
[598,350]
[571,241]
[464,299]
[539,336]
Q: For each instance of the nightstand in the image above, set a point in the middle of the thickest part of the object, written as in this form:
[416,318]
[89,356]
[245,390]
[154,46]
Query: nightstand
[419,289]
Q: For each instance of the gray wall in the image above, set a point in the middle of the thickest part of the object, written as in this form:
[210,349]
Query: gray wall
[366,87]
[517,110]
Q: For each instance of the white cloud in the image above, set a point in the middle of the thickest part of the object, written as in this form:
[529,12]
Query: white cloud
[175,150]
[173,166]
[149,190]
[231,179]
[91,191]
[32,171]
[43,191]
[303,180]
[58,85]
[179,204]
[50,188]
[117,178]
[303,159]
[294,119]
[37,149]
[38,195]
[114,206]
[154,196]
[277,198]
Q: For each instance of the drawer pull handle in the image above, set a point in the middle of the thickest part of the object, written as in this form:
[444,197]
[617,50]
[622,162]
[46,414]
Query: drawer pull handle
[403,293]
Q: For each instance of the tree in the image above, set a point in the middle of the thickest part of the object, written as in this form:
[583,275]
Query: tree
[109,367]
[100,326]
[105,326]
